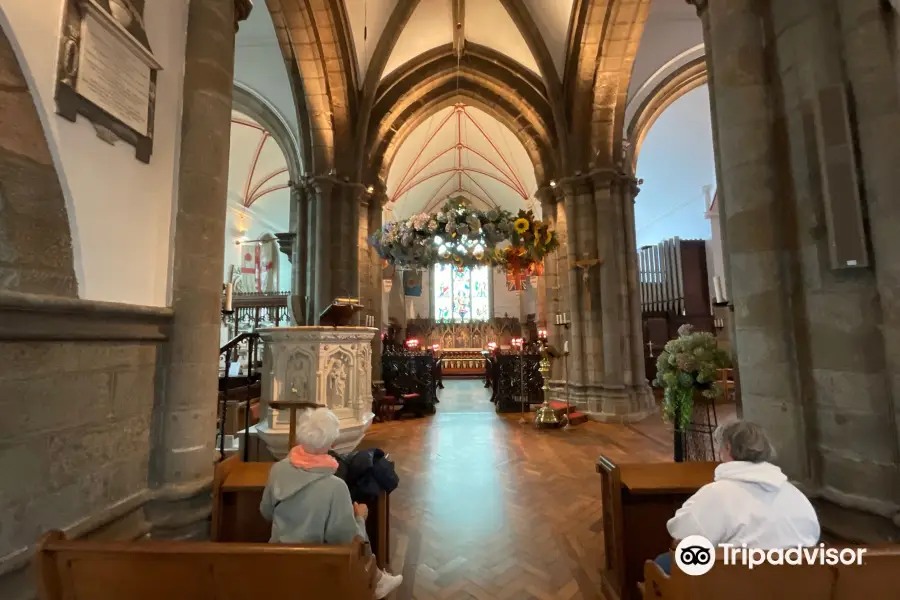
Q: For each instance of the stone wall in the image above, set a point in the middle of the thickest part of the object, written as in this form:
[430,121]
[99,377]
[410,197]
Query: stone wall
[78,386]
[806,114]
[35,242]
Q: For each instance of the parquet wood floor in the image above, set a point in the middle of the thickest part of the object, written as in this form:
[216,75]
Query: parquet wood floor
[489,509]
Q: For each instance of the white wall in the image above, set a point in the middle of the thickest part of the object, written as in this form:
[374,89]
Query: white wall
[120,210]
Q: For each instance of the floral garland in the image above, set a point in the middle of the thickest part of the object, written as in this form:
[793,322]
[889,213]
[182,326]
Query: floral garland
[464,237]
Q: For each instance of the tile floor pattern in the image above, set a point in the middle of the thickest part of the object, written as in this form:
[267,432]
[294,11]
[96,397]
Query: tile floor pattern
[489,509]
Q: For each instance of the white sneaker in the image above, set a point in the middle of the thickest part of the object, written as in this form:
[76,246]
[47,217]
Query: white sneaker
[387,584]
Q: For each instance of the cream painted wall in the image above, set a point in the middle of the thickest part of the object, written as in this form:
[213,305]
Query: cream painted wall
[120,210]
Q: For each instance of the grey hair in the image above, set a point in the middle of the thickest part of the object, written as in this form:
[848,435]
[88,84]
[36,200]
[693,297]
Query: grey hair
[317,430]
[746,441]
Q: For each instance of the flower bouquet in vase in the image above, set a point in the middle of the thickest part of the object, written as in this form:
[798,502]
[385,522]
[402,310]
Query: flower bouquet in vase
[687,370]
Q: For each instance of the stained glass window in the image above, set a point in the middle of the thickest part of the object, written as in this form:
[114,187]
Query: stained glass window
[461,296]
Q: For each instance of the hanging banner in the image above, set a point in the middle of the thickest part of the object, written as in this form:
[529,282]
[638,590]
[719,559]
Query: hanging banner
[250,268]
[412,283]
[269,265]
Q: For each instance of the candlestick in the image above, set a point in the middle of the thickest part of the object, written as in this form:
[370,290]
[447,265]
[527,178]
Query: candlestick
[229,296]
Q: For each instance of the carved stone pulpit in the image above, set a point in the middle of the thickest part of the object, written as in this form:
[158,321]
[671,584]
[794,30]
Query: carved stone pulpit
[328,366]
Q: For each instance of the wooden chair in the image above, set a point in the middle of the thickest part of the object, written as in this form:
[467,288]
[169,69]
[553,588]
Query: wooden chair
[151,570]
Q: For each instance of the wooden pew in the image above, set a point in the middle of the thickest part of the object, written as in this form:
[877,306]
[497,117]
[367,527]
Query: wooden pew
[638,499]
[155,570]
[237,493]
[878,577]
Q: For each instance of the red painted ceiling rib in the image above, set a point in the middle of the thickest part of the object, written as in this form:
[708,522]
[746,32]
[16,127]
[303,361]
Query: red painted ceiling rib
[507,175]
[252,193]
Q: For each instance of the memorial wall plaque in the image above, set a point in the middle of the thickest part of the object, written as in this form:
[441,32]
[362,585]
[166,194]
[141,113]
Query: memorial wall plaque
[106,71]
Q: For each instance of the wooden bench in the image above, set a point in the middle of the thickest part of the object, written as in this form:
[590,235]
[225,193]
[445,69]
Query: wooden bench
[156,570]
[878,577]
[237,492]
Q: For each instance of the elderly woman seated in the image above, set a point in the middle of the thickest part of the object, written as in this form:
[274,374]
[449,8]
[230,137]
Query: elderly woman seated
[750,500]
[307,503]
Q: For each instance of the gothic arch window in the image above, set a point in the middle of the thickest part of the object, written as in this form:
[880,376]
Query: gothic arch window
[461,295]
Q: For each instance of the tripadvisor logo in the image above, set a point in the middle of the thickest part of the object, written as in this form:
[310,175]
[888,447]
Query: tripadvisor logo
[695,555]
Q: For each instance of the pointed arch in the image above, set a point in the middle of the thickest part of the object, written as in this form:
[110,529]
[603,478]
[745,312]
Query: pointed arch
[603,43]
[315,41]
[486,80]
[36,255]
[683,79]
[535,42]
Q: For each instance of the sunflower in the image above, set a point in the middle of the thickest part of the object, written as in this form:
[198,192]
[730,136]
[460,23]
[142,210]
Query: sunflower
[549,236]
[521,225]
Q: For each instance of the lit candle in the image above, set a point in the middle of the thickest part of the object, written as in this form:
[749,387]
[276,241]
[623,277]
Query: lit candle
[229,296]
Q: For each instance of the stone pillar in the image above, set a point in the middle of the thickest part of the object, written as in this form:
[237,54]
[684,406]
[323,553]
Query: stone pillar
[607,381]
[870,67]
[184,427]
[299,253]
[751,211]
[550,306]
[334,240]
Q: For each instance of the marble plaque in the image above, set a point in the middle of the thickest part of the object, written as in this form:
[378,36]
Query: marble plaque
[106,71]
[112,76]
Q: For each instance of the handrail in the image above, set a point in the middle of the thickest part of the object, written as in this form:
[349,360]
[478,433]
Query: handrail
[253,340]
[232,343]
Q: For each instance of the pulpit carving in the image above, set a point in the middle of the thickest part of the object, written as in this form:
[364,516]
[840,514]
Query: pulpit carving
[297,374]
[337,374]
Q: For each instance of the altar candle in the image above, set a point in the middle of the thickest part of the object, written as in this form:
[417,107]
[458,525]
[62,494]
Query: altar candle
[566,346]
[229,296]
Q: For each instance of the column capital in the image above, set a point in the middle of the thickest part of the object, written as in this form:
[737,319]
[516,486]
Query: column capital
[700,5]
[242,10]
[324,183]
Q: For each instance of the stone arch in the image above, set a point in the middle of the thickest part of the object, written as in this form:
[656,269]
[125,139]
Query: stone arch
[315,41]
[36,255]
[514,98]
[672,86]
[605,38]
[250,103]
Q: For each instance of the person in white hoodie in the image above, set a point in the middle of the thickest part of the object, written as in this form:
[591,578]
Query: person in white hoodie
[750,500]
[308,504]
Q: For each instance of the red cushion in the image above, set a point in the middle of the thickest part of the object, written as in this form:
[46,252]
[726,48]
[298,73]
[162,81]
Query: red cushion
[409,396]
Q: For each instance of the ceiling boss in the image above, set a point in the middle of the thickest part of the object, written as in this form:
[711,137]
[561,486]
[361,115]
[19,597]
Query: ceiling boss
[462,237]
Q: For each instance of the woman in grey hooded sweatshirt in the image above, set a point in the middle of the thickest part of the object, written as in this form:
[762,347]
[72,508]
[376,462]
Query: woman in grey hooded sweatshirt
[307,503]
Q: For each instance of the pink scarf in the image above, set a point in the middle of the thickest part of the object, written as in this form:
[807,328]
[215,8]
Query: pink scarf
[302,459]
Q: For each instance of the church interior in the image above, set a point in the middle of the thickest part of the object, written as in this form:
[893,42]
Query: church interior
[532,255]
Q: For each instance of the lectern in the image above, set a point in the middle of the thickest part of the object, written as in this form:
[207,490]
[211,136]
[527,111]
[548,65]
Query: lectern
[341,312]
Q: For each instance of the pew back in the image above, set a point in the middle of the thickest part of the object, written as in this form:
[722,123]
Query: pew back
[151,570]
[877,576]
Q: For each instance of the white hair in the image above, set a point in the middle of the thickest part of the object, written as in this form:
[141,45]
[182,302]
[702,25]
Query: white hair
[745,441]
[317,429]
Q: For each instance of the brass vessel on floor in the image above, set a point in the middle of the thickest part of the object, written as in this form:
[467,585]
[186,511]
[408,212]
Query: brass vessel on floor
[546,417]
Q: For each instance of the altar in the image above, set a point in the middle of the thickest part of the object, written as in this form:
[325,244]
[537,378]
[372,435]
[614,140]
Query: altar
[326,366]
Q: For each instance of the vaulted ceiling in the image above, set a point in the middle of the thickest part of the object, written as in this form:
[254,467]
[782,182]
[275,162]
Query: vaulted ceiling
[557,74]
[435,23]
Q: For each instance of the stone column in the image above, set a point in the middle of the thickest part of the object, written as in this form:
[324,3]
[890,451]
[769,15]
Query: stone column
[751,211]
[550,305]
[607,380]
[184,427]
[871,68]
[299,253]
